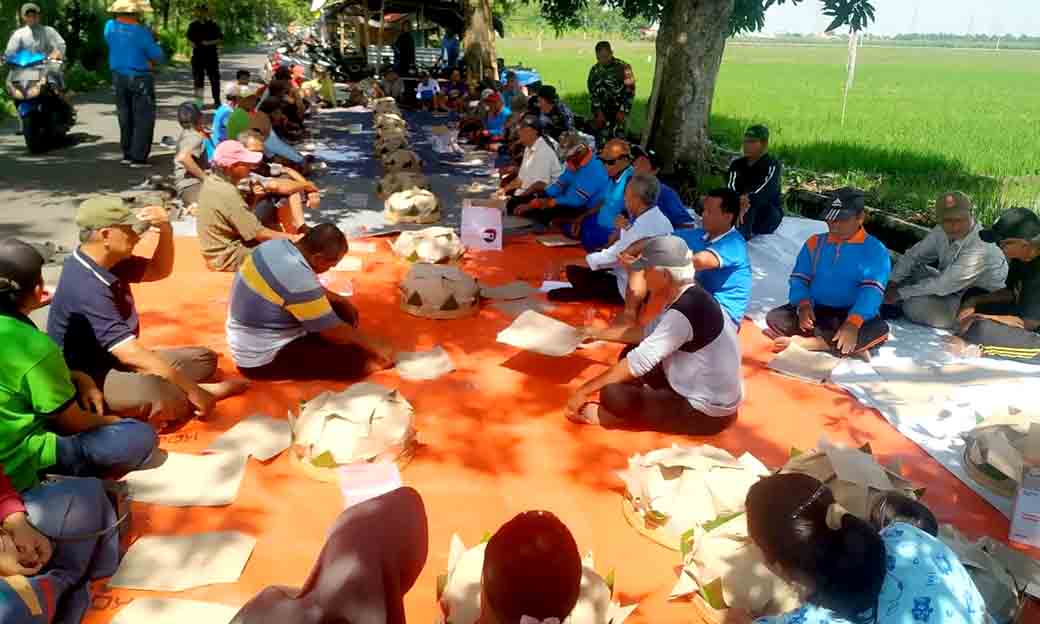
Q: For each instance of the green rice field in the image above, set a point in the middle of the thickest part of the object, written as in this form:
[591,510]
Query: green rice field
[920,120]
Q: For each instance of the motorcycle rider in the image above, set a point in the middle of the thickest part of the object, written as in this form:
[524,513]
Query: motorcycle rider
[37,38]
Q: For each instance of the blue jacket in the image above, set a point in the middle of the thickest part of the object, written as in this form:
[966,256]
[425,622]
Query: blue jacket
[582,187]
[850,274]
[672,207]
[496,124]
[614,200]
[220,119]
[130,48]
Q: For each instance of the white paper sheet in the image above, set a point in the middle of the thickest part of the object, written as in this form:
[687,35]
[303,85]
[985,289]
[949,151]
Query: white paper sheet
[357,246]
[424,365]
[259,435]
[542,334]
[557,240]
[551,285]
[362,481]
[185,480]
[349,263]
[174,611]
[178,562]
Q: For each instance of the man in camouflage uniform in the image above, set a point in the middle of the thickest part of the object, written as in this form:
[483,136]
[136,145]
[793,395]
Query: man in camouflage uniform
[612,89]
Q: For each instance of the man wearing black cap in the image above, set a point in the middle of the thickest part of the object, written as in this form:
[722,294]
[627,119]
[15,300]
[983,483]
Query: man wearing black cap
[1005,323]
[645,160]
[837,286]
[556,117]
[756,177]
[539,168]
[680,375]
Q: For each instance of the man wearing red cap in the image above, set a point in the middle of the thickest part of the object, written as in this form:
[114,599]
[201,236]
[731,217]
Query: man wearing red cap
[227,229]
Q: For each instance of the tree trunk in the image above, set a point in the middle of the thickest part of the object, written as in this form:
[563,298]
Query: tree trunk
[479,40]
[689,49]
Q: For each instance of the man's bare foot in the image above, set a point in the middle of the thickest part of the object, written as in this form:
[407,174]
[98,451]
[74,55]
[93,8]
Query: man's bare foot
[227,388]
[587,415]
[780,343]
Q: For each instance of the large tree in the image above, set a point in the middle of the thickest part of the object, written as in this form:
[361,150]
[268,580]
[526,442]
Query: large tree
[690,43]
[479,38]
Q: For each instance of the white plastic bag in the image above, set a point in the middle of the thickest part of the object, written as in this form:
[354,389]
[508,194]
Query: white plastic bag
[481,226]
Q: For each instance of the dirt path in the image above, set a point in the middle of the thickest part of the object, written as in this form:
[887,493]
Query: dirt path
[38,194]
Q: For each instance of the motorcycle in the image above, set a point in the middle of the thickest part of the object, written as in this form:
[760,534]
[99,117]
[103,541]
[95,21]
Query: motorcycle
[36,85]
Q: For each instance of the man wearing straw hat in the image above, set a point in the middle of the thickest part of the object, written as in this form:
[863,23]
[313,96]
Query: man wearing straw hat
[133,54]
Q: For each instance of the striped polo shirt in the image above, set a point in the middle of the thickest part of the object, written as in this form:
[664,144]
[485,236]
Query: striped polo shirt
[275,299]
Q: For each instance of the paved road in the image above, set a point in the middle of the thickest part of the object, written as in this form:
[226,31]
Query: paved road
[38,194]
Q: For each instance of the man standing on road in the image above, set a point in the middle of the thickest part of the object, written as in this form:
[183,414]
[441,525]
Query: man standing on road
[205,37]
[133,55]
[404,50]
[612,89]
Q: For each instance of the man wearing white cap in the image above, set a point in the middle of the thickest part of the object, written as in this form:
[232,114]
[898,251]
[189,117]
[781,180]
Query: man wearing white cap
[34,36]
[227,229]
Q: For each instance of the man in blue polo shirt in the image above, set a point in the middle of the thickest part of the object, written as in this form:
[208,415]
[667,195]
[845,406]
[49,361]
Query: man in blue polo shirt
[837,286]
[94,319]
[720,259]
[132,55]
[645,161]
[596,226]
[582,184]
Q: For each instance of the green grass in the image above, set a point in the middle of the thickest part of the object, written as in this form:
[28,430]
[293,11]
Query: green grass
[920,121]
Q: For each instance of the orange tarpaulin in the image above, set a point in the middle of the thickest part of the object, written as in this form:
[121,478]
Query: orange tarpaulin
[494,440]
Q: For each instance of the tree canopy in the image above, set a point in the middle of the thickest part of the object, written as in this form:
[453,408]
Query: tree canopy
[748,15]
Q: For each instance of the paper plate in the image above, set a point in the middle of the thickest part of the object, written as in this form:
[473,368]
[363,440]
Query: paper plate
[639,523]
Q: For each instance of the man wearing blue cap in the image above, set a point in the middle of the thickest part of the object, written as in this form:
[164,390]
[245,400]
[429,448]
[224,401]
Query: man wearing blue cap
[837,286]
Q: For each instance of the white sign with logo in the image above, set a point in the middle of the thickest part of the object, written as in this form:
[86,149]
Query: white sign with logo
[481,225]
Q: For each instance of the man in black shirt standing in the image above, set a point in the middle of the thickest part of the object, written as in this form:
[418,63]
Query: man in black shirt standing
[404,50]
[205,37]
[756,178]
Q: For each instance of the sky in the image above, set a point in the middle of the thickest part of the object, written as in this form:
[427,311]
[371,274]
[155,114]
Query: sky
[990,17]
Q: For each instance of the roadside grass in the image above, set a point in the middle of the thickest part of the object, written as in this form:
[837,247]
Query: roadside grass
[920,120]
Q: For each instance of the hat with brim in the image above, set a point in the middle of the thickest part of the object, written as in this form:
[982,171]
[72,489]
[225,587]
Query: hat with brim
[29,7]
[846,203]
[130,6]
[231,152]
[1015,223]
[638,151]
[105,211]
[663,252]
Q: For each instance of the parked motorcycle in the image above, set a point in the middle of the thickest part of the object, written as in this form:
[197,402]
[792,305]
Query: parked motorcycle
[37,86]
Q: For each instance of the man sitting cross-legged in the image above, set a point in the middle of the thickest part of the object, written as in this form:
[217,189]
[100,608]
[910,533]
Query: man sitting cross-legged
[720,258]
[596,226]
[581,185]
[606,278]
[94,319]
[539,169]
[278,200]
[837,286]
[228,230]
[1006,323]
[965,266]
[682,375]
[283,324]
[52,419]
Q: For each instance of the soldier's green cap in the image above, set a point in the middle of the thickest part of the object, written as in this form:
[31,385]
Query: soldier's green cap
[102,211]
[757,132]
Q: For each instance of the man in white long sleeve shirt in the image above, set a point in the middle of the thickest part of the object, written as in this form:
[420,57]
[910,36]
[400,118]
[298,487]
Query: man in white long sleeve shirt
[933,277]
[34,36]
[539,169]
[606,278]
[680,375]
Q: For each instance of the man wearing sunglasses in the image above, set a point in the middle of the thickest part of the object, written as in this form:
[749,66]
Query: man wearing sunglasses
[596,227]
[756,177]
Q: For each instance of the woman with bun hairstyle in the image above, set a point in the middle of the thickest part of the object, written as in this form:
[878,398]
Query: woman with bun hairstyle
[847,571]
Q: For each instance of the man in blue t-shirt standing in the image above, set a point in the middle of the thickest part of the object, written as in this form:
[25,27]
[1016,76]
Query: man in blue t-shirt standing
[720,259]
[133,55]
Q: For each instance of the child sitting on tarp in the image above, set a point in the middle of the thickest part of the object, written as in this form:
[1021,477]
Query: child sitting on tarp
[849,571]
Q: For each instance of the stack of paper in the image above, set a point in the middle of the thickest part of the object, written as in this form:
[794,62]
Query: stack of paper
[542,334]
